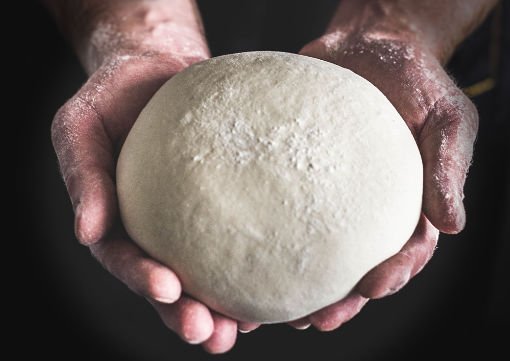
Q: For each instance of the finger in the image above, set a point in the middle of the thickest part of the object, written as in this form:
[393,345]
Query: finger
[333,316]
[143,275]
[224,335]
[190,319]
[85,155]
[301,324]
[392,274]
[245,327]
[446,145]
[325,48]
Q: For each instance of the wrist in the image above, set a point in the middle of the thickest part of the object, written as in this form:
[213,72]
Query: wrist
[434,27]
[376,20]
[165,41]
[104,30]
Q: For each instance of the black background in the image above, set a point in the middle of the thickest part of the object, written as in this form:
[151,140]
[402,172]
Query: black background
[72,309]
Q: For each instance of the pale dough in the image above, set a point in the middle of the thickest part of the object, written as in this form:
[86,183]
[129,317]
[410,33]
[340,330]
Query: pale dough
[269,182]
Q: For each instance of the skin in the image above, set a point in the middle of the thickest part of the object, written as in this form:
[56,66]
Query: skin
[130,48]
[401,46]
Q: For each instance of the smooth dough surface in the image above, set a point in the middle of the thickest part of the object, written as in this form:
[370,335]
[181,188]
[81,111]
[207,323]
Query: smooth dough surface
[269,182]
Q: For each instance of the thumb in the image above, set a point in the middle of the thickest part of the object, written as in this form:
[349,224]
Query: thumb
[446,145]
[85,155]
[325,48]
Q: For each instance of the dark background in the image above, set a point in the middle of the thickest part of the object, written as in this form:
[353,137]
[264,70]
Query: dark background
[72,309]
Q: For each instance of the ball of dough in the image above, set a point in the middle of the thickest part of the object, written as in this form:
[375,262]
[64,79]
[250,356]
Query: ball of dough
[269,182]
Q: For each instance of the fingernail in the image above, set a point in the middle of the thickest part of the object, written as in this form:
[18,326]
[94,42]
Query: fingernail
[163,286]
[193,342]
[193,339]
[245,331]
[303,327]
[166,300]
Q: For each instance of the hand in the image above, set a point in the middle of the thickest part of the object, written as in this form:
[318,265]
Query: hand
[129,48]
[443,122]
[87,133]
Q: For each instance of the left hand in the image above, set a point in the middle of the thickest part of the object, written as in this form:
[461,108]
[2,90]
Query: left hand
[444,124]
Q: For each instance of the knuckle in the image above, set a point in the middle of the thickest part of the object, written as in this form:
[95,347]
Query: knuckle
[70,124]
[459,109]
[99,251]
[111,256]
[69,118]
[472,114]
[325,324]
[59,121]
[453,117]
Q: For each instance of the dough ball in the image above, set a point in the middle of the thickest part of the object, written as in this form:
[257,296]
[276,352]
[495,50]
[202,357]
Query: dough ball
[269,182]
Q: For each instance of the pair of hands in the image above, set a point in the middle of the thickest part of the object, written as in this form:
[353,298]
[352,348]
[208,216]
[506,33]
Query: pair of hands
[89,130]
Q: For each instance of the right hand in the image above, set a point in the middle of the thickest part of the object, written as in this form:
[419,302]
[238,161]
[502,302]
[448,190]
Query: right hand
[87,133]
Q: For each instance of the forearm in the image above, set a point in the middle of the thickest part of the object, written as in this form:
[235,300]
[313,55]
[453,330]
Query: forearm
[440,25]
[100,29]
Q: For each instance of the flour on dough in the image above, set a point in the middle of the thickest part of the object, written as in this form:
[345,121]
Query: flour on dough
[269,182]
